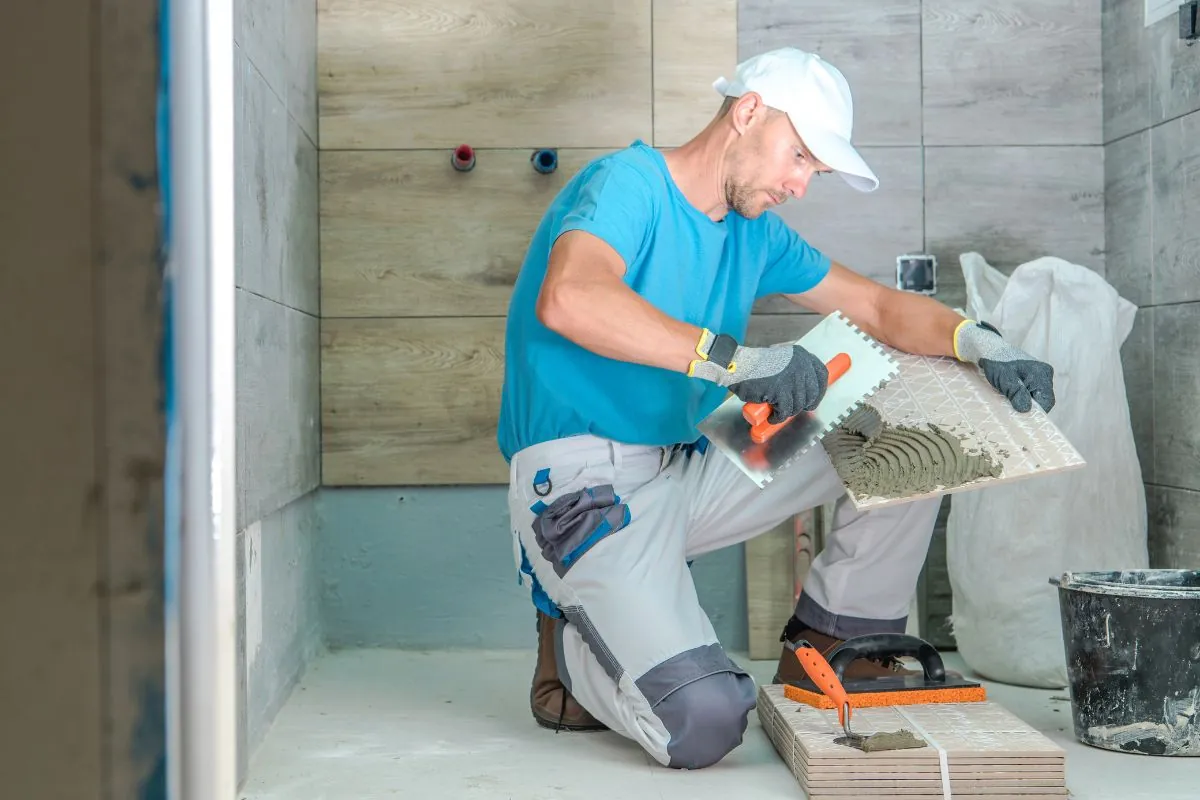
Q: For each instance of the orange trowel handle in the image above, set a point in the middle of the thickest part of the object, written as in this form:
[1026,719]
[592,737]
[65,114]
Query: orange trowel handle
[757,413]
[820,673]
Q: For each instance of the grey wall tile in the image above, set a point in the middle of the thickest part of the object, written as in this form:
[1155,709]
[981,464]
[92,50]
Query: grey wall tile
[1012,205]
[876,45]
[866,231]
[1176,387]
[1022,72]
[301,279]
[300,26]
[261,142]
[260,28]
[1174,519]
[1176,160]
[1137,361]
[278,397]
[279,606]
[1129,254]
[1126,62]
[1174,72]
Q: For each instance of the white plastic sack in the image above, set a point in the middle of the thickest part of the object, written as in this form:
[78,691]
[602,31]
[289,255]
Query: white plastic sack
[1004,543]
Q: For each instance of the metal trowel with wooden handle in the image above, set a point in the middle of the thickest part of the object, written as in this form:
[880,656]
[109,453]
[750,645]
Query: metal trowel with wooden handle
[858,367]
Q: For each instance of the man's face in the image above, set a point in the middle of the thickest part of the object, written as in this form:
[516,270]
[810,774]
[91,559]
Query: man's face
[767,165]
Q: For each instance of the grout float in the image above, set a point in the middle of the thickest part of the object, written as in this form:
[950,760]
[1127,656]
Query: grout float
[877,459]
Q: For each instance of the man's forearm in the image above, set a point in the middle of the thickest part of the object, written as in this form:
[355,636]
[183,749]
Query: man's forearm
[917,324]
[610,319]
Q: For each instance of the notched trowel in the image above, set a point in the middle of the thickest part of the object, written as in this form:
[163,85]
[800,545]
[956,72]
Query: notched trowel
[858,367]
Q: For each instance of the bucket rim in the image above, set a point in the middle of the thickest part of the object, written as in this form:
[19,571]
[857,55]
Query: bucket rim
[1098,582]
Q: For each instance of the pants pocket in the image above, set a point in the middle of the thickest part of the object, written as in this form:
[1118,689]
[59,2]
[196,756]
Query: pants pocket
[571,525]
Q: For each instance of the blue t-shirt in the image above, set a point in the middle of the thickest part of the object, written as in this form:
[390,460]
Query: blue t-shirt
[690,267]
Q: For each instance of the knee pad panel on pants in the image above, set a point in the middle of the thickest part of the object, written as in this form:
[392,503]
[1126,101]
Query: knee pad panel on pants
[703,700]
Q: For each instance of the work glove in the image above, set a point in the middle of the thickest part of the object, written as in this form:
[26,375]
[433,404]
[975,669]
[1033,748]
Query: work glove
[1014,373]
[786,376]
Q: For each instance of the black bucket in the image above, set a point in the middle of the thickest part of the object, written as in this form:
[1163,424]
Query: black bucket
[1133,658]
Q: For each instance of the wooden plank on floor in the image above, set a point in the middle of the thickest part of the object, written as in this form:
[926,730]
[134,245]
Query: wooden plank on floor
[519,73]
[411,401]
[695,42]
[404,234]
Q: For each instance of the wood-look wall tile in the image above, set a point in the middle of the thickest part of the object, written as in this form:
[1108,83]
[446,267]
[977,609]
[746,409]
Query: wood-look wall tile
[1012,205]
[404,234]
[1176,236]
[1125,49]
[1176,387]
[527,73]
[1018,73]
[1129,255]
[877,46]
[695,42]
[411,401]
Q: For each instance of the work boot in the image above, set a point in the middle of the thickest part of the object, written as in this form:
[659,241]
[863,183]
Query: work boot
[552,705]
[791,671]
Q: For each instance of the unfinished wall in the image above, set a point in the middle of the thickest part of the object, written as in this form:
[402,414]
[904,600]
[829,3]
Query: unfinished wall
[81,559]
[417,262]
[417,259]
[1152,162]
[278,393]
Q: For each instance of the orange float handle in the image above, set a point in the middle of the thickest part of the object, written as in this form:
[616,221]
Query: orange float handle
[821,673]
[757,413]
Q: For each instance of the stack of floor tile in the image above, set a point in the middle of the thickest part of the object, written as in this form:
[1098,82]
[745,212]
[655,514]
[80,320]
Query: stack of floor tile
[974,750]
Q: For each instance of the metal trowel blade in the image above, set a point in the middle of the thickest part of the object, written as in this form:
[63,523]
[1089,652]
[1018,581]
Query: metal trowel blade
[870,369]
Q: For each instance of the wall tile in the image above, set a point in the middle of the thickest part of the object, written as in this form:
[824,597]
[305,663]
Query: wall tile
[260,27]
[301,28]
[877,46]
[260,144]
[1176,160]
[1020,72]
[1012,205]
[864,231]
[1129,256]
[1137,361]
[278,396]
[301,279]
[1176,387]
[1174,72]
[1126,61]
[1174,519]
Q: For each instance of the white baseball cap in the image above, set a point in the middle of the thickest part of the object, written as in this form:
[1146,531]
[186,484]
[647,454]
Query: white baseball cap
[816,98]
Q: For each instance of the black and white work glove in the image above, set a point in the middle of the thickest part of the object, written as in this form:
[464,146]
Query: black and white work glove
[1014,373]
[786,376]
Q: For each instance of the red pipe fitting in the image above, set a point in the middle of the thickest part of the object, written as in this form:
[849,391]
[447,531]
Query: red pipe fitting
[463,158]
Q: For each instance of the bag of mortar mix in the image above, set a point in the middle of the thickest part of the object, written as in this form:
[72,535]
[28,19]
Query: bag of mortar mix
[1005,542]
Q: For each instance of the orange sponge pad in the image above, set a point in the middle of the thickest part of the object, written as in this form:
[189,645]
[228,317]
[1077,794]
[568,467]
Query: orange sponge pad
[909,697]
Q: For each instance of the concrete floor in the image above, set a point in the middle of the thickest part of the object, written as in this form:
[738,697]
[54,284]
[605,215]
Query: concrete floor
[383,723]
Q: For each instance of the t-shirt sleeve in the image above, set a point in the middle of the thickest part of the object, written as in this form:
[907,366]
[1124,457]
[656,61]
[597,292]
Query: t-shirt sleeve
[613,202]
[793,265]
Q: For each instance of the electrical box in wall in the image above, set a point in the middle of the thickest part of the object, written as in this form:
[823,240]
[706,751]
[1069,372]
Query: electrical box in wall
[917,273]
